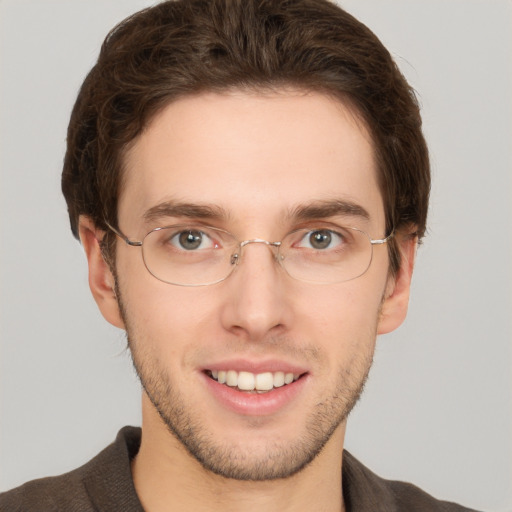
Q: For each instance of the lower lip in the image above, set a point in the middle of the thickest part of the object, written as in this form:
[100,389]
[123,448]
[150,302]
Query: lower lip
[255,404]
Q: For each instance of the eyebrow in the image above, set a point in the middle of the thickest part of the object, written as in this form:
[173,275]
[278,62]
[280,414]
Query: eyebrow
[315,210]
[329,208]
[179,209]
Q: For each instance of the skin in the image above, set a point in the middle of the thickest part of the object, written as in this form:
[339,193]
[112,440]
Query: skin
[257,157]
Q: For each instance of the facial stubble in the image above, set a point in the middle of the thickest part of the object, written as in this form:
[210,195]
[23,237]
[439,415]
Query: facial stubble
[234,461]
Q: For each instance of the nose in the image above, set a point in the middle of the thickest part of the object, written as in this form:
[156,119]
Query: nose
[257,303]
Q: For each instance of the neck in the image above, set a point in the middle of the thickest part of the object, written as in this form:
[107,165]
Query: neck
[167,478]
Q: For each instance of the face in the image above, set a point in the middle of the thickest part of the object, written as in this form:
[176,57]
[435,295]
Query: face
[248,164]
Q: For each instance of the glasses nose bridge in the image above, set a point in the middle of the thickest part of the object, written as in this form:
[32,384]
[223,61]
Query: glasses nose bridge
[271,245]
[260,241]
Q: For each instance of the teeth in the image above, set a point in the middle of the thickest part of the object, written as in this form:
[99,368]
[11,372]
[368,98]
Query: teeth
[231,378]
[264,381]
[247,381]
[278,379]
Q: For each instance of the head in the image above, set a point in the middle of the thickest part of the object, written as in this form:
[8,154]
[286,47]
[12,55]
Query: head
[253,115]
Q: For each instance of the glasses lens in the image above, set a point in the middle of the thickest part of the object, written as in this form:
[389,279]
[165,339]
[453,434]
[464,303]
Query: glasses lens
[189,255]
[326,255]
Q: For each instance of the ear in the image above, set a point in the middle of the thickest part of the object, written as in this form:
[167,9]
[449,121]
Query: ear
[101,280]
[396,299]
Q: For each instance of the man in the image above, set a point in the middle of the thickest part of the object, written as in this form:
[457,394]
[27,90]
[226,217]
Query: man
[249,181]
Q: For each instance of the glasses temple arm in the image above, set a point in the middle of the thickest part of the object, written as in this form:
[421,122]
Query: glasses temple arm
[123,237]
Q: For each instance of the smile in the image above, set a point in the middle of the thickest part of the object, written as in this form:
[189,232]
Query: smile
[247,381]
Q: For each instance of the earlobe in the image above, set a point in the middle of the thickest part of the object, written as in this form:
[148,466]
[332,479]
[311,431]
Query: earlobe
[396,300]
[101,280]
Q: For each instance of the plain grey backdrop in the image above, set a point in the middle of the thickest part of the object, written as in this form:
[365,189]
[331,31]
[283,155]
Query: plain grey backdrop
[437,410]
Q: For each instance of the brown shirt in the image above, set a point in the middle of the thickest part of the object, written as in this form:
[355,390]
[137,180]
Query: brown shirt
[105,484]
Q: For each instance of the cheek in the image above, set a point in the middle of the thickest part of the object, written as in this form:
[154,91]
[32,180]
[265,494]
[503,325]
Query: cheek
[342,320]
[341,307]
[164,318]
[148,301]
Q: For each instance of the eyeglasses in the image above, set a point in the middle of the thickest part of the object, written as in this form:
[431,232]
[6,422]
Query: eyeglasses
[199,255]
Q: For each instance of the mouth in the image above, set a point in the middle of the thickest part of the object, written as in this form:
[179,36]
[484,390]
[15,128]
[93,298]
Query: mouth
[253,382]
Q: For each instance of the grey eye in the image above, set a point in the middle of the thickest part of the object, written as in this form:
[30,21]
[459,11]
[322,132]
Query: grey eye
[189,240]
[320,239]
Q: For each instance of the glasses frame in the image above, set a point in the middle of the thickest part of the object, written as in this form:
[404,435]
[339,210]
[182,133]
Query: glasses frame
[235,258]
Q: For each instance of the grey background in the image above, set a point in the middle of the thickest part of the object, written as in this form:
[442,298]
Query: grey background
[438,407]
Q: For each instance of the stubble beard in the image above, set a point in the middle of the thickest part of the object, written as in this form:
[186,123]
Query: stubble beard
[234,461]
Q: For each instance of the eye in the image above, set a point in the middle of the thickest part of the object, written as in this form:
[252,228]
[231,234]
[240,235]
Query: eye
[192,240]
[321,239]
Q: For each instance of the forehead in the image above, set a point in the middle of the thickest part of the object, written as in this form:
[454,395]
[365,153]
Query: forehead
[252,155]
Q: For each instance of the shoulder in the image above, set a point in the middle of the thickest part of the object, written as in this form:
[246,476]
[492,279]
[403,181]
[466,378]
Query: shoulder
[47,494]
[103,483]
[364,490]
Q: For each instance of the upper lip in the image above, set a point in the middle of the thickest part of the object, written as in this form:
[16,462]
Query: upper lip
[244,365]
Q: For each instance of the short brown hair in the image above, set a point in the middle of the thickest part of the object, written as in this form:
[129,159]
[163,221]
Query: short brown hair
[184,47]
